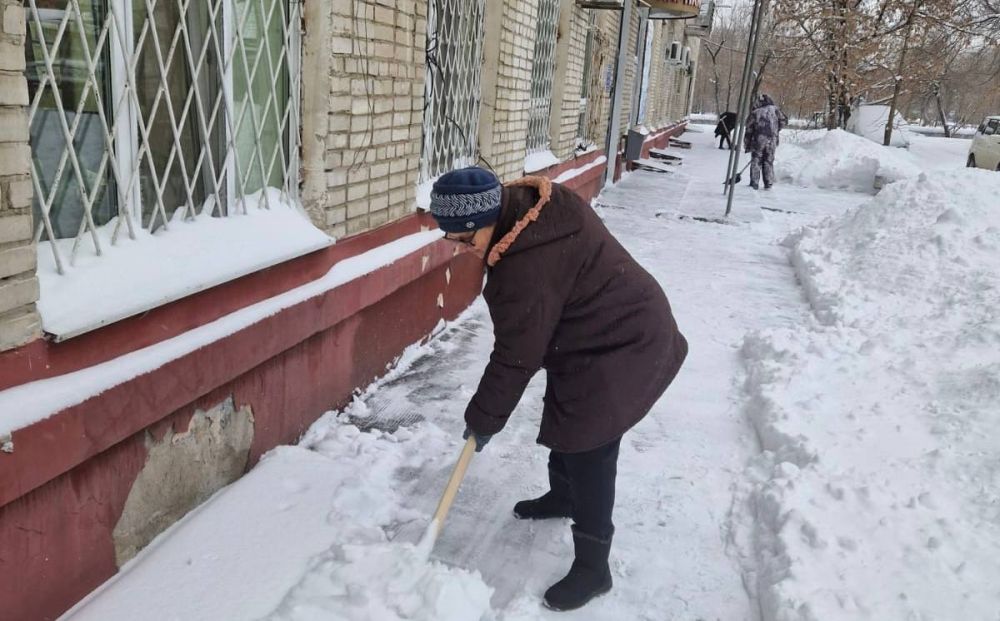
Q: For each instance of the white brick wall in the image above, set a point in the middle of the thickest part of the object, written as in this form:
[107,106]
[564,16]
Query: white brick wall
[573,23]
[365,121]
[508,59]
[19,322]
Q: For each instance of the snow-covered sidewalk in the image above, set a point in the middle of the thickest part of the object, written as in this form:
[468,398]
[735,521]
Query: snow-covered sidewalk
[308,533]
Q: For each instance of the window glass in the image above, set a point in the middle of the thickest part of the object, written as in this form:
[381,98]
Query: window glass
[176,170]
[260,91]
[991,127]
[542,68]
[75,172]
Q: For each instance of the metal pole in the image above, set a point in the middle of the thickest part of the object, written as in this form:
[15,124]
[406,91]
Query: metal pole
[734,146]
[741,117]
[614,123]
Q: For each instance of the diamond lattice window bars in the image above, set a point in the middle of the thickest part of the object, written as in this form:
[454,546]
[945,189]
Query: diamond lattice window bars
[451,88]
[542,70]
[143,111]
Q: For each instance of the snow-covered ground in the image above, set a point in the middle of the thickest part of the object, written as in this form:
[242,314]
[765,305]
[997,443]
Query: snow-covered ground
[826,453]
[878,495]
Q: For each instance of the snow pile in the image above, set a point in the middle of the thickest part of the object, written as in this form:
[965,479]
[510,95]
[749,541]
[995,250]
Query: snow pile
[878,492]
[367,577]
[384,582]
[869,122]
[839,160]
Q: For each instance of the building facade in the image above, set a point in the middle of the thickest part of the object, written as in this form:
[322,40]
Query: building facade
[212,226]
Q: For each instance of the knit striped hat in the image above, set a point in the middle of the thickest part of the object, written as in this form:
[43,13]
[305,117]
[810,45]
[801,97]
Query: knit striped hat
[466,200]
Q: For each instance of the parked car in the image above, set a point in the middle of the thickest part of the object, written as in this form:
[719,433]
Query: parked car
[985,149]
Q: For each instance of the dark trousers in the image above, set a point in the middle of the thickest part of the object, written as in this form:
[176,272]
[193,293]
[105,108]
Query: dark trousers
[724,138]
[588,481]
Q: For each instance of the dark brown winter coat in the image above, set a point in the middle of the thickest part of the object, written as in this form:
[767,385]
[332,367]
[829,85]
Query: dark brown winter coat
[564,295]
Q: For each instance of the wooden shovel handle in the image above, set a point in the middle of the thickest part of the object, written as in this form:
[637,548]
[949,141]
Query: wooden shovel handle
[456,479]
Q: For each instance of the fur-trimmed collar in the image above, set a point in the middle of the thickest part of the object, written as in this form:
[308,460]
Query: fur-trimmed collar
[544,188]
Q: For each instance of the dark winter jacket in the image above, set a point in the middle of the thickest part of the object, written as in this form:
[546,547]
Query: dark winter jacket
[763,125]
[726,124]
[566,296]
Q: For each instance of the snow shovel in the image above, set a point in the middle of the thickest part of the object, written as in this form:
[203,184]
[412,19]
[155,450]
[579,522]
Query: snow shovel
[739,176]
[450,490]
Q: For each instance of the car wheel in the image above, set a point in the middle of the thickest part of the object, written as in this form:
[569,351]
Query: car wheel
[971,162]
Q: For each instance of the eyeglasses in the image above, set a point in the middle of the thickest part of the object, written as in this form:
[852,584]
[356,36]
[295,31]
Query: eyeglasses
[461,238]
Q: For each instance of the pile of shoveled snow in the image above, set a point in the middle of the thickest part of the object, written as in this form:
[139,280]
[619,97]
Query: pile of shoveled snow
[366,576]
[384,581]
[840,160]
[878,492]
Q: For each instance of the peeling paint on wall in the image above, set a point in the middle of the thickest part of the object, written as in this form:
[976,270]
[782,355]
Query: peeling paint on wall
[182,470]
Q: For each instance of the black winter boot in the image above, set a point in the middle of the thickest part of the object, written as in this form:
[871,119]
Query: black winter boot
[554,503]
[589,576]
[543,508]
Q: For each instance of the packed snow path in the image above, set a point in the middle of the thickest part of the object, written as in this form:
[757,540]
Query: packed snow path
[274,544]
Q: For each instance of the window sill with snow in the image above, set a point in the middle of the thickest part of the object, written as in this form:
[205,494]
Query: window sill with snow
[132,276]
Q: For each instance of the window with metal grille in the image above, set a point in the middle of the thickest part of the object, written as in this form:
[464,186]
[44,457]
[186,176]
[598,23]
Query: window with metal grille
[542,69]
[143,111]
[451,87]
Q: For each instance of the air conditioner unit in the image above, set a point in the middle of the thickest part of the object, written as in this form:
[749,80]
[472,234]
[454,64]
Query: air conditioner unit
[674,52]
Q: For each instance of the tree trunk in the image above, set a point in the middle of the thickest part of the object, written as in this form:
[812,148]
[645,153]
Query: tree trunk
[898,78]
[940,111]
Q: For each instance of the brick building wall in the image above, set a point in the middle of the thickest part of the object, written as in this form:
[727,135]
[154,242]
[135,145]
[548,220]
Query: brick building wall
[657,74]
[668,90]
[508,54]
[662,76]
[689,80]
[572,43]
[19,321]
[632,71]
[371,133]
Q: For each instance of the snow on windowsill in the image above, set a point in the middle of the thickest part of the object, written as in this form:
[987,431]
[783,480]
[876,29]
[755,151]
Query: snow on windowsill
[136,275]
[539,160]
[424,194]
[30,403]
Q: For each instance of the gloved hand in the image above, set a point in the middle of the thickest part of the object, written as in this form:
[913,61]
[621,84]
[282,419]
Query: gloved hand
[481,440]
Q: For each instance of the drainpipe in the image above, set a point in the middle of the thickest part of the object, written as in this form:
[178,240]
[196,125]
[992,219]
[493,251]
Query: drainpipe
[637,85]
[614,123]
